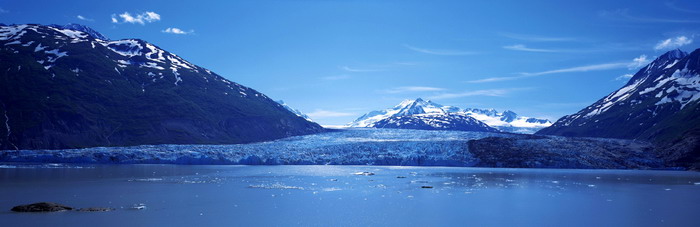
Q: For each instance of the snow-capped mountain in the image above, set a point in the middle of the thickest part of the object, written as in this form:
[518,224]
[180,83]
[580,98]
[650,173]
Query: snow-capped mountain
[507,121]
[69,86]
[660,103]
[295,111]
[432,121]
[405,108]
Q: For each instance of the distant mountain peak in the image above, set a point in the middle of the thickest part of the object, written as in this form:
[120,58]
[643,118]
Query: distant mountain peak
[505,121]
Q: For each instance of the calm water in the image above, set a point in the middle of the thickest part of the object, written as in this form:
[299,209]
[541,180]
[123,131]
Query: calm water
[178,195]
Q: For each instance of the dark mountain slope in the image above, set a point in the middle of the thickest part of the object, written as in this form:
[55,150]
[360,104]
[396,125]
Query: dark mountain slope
[62,88]
[659,104]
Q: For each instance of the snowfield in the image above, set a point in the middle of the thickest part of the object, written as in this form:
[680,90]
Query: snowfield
[402,147]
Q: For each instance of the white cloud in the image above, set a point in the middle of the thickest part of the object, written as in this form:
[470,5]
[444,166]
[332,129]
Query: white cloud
[413,89]
[521,47]
[638,62]
[80,17]
[319,114]
[624,77]
[177,31]
[671,43]
[488,92]
[143,18]
[440,51]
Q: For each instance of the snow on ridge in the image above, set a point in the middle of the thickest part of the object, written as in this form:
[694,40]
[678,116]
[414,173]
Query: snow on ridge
[294,111]
[73,34]
[12,32]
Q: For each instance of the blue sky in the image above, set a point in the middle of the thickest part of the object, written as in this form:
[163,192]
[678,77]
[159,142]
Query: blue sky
[337,60]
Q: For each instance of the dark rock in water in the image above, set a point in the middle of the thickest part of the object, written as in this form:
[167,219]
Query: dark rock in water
[426,186]
[95,209]
[41,207]
[400,177]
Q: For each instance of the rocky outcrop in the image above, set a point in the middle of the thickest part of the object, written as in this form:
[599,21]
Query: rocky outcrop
[41,207]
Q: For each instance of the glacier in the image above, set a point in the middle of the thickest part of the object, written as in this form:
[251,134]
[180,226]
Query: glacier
[369,146]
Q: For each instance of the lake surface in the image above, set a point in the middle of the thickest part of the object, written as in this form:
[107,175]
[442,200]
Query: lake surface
[196,195]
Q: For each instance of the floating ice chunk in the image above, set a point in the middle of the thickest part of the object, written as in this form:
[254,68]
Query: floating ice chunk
[140,206]
[147,179]
[275,186]
[331,189]
[364,173]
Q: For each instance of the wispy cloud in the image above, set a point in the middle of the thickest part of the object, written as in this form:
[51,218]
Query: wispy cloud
[624,77]
[535,38]
[320,114]
[622,14]
[143,18]
[80,17]
[585,68]
[486,92]
[378,67]
[364,70]
[635,63]
[412,89]
[4,10]
[521,47]
[336,77]
[440,51]
[671,43]
[672,5]
[361,70]
[177,31]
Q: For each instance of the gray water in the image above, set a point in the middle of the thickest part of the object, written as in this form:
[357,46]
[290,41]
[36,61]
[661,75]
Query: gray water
[181,195]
